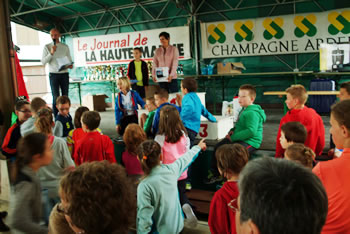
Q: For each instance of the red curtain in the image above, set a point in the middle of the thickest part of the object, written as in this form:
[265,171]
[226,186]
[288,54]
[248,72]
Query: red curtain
[22,90]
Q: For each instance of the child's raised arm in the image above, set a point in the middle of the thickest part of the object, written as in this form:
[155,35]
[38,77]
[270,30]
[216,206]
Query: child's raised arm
[180,165]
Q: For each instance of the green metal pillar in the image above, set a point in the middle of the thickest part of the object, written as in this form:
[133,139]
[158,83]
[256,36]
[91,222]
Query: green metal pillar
[7,75]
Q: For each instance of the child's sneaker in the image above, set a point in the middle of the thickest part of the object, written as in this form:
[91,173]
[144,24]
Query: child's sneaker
[188,186]
[191,219]
[211,179]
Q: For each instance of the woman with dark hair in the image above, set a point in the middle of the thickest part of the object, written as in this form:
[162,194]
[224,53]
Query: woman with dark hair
[166,58]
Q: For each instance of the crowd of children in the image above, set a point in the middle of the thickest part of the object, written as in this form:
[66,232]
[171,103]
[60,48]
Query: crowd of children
[55,161]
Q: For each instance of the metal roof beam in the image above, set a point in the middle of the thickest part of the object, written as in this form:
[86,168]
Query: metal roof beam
[114,8]
[226,3]
[109,25]
[178,12]
[216,10]
[145,10]
[98,4]
[87,21]
[130,24]
[20,6]
[127,18]
[318,5]
[46,8]
[100,19]
[199,6]
[65,7]
[74,23]
[251,7]
[115,17]
[238,4]
[46,2]
[161,11]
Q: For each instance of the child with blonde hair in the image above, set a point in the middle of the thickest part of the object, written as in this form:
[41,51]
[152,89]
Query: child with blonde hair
[126,105]
[158,205]
[298,112]
[50,175]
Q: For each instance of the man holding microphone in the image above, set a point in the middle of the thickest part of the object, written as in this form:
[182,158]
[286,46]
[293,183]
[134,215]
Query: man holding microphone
[57,55]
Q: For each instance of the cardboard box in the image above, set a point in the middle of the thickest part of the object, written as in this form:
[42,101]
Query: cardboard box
[230,68]
[95,102]
[215,131]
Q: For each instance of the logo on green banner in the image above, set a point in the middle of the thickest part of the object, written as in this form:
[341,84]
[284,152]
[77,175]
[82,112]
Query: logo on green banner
[273,28]
[339,22]
[244,30]
[305,25]
[216,33]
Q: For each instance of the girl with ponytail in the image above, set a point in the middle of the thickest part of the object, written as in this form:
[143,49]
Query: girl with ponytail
[158,205]
[51,174]
[33,152]
[300,153]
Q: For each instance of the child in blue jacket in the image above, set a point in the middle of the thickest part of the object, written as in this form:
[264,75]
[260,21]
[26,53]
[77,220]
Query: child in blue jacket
[126,103]
[191,112]
[192,108]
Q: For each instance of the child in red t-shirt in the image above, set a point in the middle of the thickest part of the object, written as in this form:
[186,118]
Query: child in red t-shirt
[231,158]
[298,112]
[93,146]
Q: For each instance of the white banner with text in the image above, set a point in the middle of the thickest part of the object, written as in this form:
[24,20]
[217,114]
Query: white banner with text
[287,34]
[118,48]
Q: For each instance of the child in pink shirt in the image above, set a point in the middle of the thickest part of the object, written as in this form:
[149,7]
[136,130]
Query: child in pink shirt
[172,137]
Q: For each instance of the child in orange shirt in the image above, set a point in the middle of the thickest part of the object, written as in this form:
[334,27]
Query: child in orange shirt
[334,174]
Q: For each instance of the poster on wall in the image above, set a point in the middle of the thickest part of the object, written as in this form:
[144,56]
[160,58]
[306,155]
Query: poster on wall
[118,48]
[287,34]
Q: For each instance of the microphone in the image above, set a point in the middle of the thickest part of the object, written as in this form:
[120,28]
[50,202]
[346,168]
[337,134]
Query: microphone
[54,41]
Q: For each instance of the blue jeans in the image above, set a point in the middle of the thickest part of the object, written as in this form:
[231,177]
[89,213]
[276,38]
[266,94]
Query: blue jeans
[57,81]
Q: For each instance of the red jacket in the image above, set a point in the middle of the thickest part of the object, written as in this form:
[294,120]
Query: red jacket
[94,147]
[313,124]
[221,216]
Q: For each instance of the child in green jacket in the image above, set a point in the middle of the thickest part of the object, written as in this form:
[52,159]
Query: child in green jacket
[248,130]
